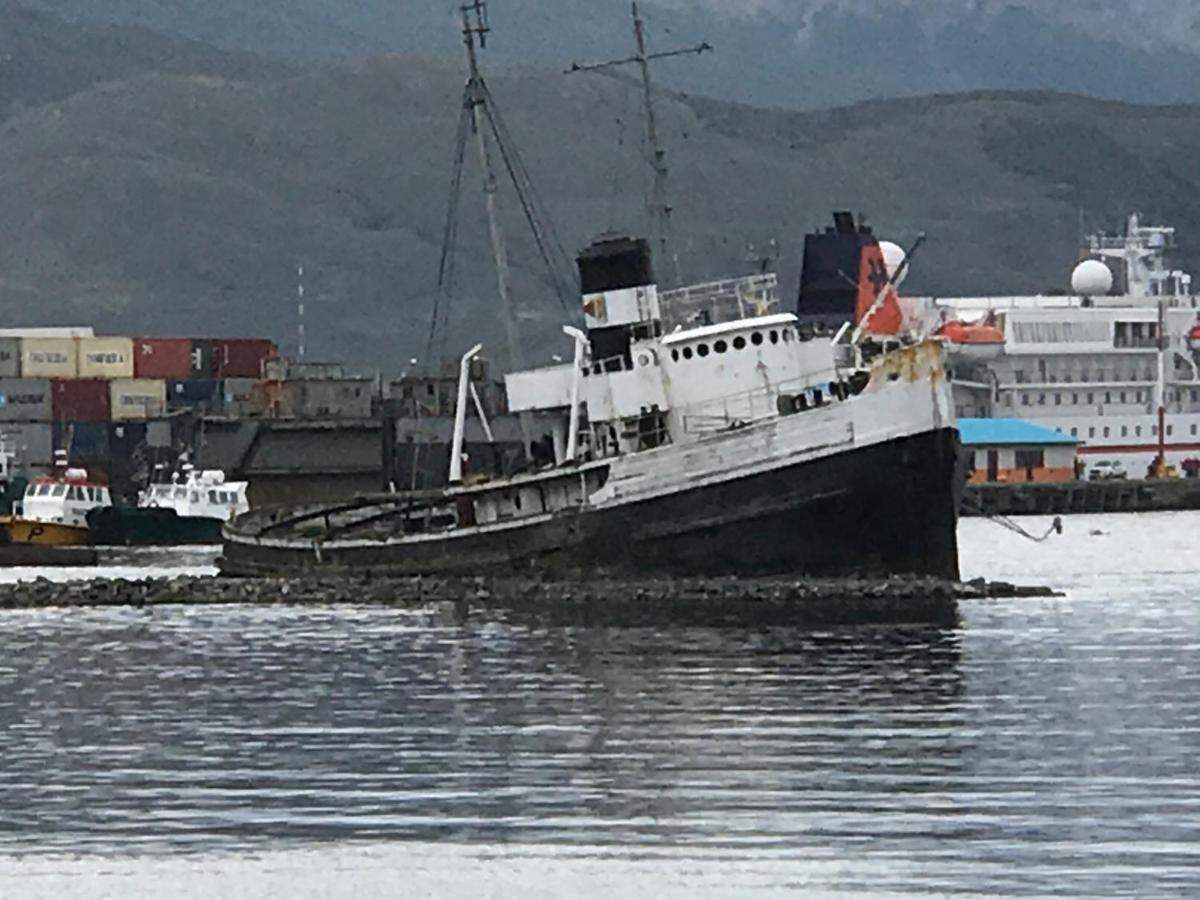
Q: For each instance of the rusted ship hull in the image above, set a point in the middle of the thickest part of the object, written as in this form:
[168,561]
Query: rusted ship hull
[888,508]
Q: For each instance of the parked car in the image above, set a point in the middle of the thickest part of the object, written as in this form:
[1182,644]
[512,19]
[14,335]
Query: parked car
[1105,469]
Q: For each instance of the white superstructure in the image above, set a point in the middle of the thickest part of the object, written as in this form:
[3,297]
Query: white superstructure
[1096,363]
[200,494]
[64,499]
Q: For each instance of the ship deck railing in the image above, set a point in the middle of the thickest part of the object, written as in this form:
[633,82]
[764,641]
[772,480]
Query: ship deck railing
[743,407]
[428,507]
[720,301]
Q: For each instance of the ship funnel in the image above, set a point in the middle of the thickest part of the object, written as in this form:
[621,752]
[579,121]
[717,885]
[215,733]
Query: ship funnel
[845,268]
[620,298]
[615,263]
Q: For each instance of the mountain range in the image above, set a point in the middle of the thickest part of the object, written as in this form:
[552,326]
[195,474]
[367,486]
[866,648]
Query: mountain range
[799,54]
[156,184]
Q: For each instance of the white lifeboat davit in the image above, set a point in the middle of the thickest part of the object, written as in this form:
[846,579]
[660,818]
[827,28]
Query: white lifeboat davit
[971,341]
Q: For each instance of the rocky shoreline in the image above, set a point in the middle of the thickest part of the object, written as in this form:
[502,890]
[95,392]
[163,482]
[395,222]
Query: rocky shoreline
[620,601]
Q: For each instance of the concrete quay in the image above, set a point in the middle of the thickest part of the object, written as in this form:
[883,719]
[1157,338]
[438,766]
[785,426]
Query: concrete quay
[1063,498]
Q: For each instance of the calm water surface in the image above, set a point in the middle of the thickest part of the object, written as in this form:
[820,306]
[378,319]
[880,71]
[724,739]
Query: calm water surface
[1044,748]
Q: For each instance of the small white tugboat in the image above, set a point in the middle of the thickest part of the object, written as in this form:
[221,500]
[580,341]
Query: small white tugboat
[746,447]
[189,508]
[54,510]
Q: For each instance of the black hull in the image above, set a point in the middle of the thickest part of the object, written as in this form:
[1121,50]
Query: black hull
[118,526]
[883,510]
[888,509]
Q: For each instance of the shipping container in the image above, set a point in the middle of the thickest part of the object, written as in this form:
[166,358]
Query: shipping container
[50,357]
[241,357]
[202,358]
[68,331]
[106,357]
[10,357]
[137,399]
[25,400]
[80,400]
[86,443]
[126,439]
[32,442]
[155,357]
[193,393]
[278,368]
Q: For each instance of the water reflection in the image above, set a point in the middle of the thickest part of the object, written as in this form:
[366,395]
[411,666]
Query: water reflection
[226,727]
[1043,743]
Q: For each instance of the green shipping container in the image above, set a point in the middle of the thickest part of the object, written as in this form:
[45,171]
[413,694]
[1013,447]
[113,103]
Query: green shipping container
[202,358]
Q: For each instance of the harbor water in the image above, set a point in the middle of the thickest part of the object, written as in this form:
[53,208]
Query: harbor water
[1041,748]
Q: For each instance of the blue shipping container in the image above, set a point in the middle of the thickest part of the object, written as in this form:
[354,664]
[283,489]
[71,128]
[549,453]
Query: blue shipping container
[86,443]
[193,392]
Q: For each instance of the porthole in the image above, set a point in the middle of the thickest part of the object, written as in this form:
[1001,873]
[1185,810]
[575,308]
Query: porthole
[720,346]
[643,359]
[756,339]
[787,335]
[687,352]
[739,343]
[774,337]
[702,350]
[675,355]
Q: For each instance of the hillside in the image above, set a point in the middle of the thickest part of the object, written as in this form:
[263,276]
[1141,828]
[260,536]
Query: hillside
[43,59]
[177,203]
[801,54]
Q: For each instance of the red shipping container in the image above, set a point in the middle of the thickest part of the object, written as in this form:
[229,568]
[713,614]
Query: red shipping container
[80,399]
[241,357]
[156,357]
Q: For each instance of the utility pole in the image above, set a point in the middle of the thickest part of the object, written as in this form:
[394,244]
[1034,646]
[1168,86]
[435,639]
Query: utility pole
[660,204]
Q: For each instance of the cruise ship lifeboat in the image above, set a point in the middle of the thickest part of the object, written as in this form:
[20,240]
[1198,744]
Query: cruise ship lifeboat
[1193,338]
[971,341]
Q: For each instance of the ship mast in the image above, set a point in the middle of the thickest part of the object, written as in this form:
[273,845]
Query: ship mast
[659,202]
[475,27]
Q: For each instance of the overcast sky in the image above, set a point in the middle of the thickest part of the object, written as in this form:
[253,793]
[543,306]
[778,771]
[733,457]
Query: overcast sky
[1145,23]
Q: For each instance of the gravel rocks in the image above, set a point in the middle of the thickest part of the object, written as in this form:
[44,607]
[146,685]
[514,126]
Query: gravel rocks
[620,602]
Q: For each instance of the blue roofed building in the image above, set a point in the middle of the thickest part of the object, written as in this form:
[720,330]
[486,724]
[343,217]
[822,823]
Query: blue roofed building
[1011,450]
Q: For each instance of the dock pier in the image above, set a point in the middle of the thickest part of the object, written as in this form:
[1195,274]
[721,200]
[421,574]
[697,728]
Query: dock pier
[1063,498]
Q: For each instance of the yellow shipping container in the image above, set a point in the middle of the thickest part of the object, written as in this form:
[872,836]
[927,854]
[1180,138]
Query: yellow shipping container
[137,399]
[56,357]
[106,357]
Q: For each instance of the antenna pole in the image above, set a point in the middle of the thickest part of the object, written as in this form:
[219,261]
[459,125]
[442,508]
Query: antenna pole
[300,311]
[660,205]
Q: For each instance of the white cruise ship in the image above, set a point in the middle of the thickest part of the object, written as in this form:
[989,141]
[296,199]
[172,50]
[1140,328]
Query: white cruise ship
[1110,363]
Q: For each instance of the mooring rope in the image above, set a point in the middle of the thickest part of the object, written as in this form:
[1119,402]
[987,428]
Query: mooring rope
[1056,527]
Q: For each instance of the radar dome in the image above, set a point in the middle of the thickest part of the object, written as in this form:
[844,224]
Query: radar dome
[1091,278]
[893,258]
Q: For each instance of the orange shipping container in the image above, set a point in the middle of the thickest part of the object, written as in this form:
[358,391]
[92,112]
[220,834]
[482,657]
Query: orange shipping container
[137,399]
[155,357]
[105,357]
[56,357]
